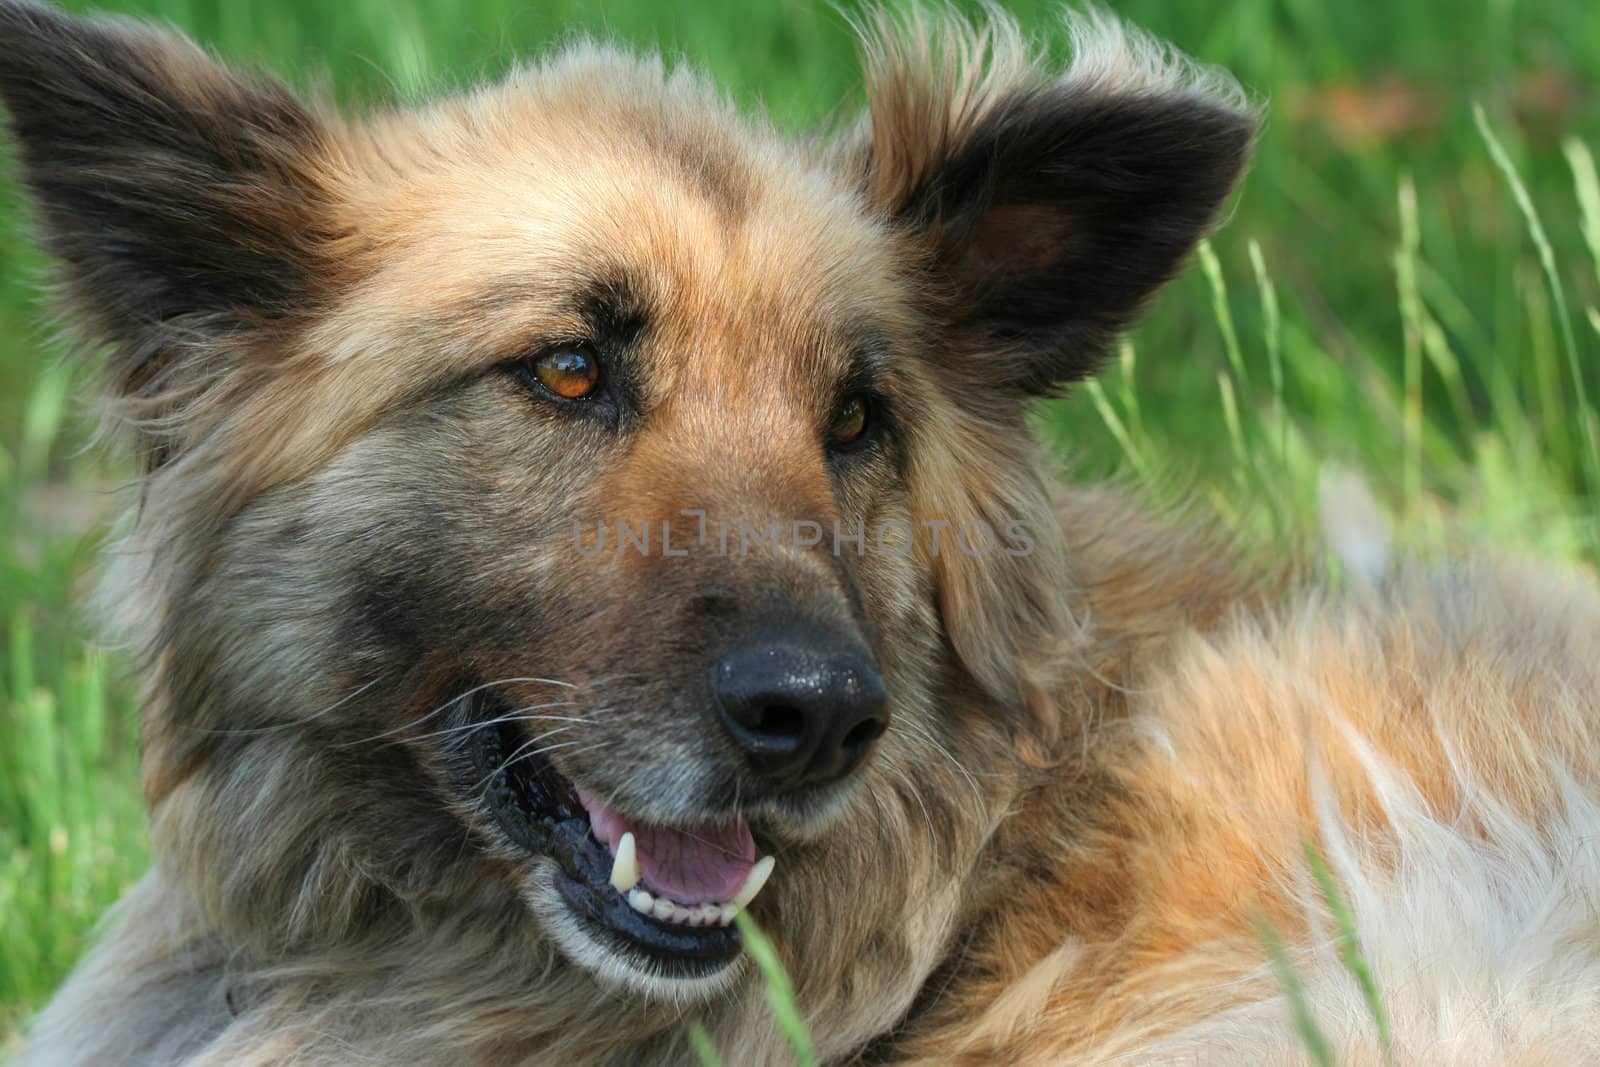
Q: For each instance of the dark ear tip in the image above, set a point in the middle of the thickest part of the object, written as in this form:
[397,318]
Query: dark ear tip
[20,19]
[15,10]
[1241,124]
[1229,134]
[41,41]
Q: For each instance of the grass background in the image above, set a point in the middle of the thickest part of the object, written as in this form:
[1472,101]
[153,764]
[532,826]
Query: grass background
[1408,286]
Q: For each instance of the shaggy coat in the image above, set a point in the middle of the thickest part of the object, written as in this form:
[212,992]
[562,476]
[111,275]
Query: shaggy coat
[1113,765]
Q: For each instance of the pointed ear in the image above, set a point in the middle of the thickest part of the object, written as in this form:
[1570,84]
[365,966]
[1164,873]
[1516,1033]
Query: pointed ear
[184,203]
[1044,209]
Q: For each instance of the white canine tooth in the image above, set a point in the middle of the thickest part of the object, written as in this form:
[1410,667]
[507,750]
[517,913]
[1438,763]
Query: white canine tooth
[625,868]
[641,900]
[664,908]
[725,914]
[708,914]
[753,882]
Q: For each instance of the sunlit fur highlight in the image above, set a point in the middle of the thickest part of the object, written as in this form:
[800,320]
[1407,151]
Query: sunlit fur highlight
[1106,756]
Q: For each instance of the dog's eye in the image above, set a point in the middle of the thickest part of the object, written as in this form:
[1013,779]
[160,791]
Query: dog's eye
[569,373]
[850,421]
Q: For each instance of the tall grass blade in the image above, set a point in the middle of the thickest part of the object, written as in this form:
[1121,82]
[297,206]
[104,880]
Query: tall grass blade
[1588,187]
[1272,331]
[1114,423]
[1212,268]
[704,1050]
[1547,262]
[1305,1023]
[1230,416]
[42,420]
[1127,361]
[780,991]
[1349,947]
[1411,316]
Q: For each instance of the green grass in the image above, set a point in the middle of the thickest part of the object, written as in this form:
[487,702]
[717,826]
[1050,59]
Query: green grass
[1350,951]
[786,1016]
[1301,1014]
[1417,298]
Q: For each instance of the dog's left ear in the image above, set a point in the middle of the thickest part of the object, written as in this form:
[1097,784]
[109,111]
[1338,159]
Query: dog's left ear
[1044,210]
[1038,213]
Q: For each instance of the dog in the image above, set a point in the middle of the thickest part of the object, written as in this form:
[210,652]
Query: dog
[572,513]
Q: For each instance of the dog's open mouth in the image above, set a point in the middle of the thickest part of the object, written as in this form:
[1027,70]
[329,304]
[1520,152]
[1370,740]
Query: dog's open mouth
[668,893]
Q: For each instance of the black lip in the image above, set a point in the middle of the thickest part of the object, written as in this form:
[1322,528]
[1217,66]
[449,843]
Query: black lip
[538,809]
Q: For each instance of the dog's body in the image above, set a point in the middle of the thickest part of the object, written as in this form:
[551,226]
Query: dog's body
[1047,802]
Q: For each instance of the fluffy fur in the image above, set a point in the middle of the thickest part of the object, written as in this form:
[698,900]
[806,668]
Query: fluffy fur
[1106,754]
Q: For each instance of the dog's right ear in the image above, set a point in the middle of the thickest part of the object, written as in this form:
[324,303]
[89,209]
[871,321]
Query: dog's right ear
[188,206]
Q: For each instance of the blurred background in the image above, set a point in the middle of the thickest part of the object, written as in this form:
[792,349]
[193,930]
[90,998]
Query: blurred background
[1408,286]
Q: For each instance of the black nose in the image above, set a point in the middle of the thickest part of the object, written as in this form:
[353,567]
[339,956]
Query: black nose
[803,707]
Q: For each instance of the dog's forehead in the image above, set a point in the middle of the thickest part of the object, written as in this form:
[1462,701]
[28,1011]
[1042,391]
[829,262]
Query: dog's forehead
[747,256]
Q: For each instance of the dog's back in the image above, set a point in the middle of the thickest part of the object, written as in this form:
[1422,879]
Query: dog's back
[1363,819]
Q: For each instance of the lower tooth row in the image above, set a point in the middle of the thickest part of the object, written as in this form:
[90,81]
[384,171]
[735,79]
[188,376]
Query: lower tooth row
[643,902]
[625,879]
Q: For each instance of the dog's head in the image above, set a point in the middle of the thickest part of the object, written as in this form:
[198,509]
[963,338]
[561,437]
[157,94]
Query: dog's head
[559,498]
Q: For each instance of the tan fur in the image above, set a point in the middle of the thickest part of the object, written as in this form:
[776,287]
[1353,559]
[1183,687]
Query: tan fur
[1459,699]
[1105,754]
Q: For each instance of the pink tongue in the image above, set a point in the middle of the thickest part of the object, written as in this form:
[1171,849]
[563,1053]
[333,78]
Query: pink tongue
[701,863]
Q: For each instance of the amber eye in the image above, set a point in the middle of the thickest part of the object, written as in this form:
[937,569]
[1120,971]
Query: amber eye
[850,422]
[570,373]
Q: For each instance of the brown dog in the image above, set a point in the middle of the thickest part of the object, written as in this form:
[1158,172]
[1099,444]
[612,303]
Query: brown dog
[572,508]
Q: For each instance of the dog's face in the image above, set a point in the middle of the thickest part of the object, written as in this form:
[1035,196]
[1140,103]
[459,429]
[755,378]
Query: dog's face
[576,490]
[673,367]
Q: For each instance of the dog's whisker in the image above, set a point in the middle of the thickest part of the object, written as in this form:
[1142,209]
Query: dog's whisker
[517,715]
[458,698]
[523,752]
[916,794]
[921,732]
[482,788]
[879,819]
